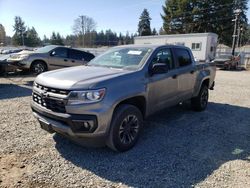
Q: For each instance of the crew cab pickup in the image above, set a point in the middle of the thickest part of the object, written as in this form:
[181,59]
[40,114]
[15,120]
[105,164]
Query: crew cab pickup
[106,101]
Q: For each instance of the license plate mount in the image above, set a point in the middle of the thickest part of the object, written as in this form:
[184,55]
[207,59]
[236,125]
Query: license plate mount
[46,126]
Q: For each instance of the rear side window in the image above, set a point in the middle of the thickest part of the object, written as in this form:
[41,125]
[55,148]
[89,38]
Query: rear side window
[77,55]
[61,52]
[183,57]
[88,56]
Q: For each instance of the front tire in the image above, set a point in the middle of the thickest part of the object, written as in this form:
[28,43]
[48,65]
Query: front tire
[200,102]
[125,128]
[38,67]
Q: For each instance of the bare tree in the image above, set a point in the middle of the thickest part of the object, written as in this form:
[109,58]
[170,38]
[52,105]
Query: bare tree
[82,26]
[2,35]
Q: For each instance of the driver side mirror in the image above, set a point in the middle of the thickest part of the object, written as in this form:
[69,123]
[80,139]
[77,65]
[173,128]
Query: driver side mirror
[159,68]
[53,53]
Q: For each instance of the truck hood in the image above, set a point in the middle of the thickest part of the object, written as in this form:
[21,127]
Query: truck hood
[79,77]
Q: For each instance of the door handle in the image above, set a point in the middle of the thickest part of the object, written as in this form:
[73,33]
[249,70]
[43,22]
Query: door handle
[192,71]
[175,76]
[65,60]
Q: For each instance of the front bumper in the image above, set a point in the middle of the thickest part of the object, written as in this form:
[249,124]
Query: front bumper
[23,64]
[70,125]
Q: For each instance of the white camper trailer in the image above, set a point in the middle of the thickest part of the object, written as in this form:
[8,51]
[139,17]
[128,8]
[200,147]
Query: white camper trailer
[203,45]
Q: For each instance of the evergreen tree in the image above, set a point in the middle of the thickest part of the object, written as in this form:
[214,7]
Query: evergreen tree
[245,37]
[71,40]
[154,32]
[194,16]
[121,41]
[45,40]
[127,39]
[56,39]
[19,29]
[161,31]
[144,28]
[59,39]
[31,37]
[53,38]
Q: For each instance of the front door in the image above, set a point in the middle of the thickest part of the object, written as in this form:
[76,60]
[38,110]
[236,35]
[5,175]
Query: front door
[59,58]
[163,88]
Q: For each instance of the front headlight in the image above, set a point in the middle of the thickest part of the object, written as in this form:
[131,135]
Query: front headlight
[24,56]
[82,97]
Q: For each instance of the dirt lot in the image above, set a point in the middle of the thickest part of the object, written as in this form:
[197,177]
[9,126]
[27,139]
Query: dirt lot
[178,148]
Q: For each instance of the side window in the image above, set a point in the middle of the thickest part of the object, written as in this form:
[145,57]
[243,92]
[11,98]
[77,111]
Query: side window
[74,54]
[183,57]
[196,46]
[164,56]
[88,56]
[60,52]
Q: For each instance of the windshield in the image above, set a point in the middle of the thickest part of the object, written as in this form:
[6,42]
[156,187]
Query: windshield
[123,58]
[45,49]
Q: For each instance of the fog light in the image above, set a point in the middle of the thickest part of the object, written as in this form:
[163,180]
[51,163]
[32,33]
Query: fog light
[86,125]
[83,126]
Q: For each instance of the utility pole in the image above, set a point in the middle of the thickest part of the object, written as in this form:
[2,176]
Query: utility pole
[238,35]
[236,24]
[241,34]
[83,29]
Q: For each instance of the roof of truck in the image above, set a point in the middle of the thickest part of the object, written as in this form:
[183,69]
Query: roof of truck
[153,46]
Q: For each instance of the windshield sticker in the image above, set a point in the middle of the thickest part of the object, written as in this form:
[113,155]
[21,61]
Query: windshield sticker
[133,52]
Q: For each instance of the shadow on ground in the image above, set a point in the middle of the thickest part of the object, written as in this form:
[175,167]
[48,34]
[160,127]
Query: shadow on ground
[178,148]
[16,85]
[10,91]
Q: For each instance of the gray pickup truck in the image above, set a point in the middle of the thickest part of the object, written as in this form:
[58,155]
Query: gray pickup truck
[105,102]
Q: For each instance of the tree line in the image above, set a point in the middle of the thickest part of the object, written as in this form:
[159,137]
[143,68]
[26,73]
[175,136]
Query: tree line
[88,37]
[199,16]
[179,17]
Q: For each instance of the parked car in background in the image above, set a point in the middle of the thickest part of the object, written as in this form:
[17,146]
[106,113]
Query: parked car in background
[49,58]
[106,101]
[228,62]
[10,51]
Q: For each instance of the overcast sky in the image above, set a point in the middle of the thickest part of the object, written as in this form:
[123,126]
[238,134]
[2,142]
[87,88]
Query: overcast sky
[58,15]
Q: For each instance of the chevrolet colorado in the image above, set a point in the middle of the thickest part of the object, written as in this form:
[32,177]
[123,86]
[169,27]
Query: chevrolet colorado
[106,101]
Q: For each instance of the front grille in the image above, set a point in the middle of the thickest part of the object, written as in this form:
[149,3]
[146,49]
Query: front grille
[51,104]
[45,100]
[52,90]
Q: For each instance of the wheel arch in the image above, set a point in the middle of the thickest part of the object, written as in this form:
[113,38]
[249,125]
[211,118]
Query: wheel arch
[39,60]
[137,101]
[206,81]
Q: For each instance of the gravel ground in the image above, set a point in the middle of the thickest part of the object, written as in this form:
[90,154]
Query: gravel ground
[178,148]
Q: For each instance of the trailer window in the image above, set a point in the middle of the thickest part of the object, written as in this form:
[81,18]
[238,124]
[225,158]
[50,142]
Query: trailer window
[183,57]
[196,46]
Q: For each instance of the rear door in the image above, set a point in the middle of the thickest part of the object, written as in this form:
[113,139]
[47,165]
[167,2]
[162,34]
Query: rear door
[59,58]
[76,57]
[186,73]
[163,88]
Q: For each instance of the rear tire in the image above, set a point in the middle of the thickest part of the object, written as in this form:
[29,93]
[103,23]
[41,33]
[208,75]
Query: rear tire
[125,128]
[38,67]
[200,102]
